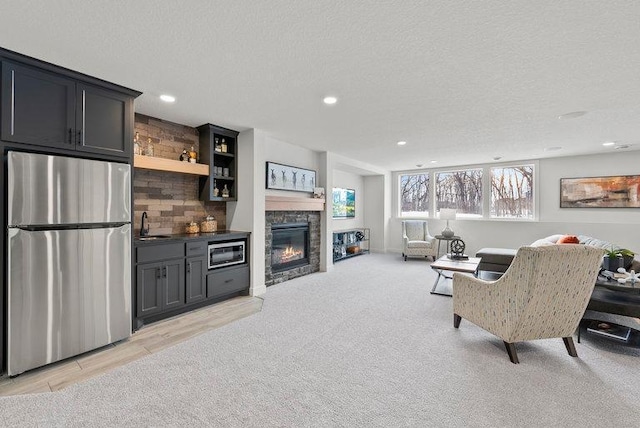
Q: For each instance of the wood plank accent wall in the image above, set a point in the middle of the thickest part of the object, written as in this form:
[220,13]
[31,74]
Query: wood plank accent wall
[288,203]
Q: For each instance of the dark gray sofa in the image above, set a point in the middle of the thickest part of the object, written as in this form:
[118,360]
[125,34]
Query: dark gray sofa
[499,259]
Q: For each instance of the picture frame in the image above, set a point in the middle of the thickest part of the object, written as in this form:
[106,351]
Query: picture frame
[616,191]
[344,203]
[287,177]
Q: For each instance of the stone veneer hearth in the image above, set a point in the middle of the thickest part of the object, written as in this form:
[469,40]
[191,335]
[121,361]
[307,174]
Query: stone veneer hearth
[277,217]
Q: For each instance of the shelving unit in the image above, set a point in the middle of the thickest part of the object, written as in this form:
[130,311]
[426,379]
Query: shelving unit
[209,134]
[162,164]
[350,243]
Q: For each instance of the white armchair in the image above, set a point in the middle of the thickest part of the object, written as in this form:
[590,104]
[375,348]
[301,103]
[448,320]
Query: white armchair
[542,295]
[416,239]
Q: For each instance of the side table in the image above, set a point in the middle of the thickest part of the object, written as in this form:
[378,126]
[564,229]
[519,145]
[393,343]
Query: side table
[441,238]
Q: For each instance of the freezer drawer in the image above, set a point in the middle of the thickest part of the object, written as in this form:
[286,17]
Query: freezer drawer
[58,190]
[69,291]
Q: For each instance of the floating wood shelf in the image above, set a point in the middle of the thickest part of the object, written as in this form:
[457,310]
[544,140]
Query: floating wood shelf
[287,203]
[161,164]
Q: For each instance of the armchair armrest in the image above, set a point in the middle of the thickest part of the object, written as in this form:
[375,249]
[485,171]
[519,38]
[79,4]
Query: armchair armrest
[482,303]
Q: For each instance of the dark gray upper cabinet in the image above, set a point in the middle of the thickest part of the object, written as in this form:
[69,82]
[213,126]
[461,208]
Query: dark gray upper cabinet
[103,121]
[42,107]
[227,161]
[37,107]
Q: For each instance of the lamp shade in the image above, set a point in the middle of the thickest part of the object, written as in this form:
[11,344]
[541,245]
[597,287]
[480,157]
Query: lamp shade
[447,214]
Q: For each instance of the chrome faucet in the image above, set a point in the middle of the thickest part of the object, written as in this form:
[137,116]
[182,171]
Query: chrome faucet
[144,231]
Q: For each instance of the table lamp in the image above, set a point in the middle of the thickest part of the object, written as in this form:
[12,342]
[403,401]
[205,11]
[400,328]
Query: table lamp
[447,214]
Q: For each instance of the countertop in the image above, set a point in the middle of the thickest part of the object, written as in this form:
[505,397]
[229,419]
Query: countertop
[219,235]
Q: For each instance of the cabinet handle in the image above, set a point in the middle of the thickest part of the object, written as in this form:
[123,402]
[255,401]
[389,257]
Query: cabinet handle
[188,267]
[228,280]
[80,137]
[158,273]
[164,272]
[70,136]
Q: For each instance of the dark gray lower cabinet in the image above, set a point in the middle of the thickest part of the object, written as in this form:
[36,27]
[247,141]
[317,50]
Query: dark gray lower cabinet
[160,287]
[173,284]
[196,287]
[174,277]
[227,281]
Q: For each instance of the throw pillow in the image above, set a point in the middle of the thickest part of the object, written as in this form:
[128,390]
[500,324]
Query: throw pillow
[568,239]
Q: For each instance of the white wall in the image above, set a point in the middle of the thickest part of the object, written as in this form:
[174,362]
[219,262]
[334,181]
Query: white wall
[616,225]
[374,210]
[288,154]
[240,214]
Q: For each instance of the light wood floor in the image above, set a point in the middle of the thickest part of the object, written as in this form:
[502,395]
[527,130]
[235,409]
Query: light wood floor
[148,340]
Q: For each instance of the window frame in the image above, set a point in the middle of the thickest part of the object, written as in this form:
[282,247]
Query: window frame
[533,190]
[486,190]
[399,194]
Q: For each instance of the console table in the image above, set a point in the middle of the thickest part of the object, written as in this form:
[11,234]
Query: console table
[614,303]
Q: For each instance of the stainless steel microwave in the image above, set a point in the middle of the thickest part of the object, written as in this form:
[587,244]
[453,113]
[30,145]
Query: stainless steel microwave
[222,254]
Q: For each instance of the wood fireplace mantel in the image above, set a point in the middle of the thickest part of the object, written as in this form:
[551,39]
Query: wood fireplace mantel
[288,203]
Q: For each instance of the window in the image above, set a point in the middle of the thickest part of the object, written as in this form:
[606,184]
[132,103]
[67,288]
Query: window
[512,192]
[460,190]
[414,195]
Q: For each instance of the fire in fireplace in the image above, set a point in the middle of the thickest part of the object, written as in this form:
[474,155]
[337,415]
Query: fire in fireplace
[290,246]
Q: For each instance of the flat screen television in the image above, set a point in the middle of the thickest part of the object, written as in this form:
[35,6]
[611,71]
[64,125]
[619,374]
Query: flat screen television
[344,203]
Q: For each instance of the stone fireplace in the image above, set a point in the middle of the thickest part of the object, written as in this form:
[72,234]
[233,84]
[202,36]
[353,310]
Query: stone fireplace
[292,245]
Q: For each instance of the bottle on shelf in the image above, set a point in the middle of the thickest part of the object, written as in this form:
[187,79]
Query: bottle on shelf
[193,156]
[184,157]
[216,191]
[136,144]
[225,192]
[223,146]
[149,149]
[217,147]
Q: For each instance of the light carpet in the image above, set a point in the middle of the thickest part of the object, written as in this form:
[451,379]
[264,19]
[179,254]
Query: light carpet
[363,345]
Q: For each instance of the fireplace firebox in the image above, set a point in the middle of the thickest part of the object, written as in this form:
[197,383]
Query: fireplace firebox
[290,246]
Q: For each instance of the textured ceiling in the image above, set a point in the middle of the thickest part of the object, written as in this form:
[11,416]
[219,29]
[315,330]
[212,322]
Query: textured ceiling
[461,81]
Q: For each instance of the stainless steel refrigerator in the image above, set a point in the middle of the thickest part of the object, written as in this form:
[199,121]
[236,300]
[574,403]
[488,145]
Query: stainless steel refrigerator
[69,257]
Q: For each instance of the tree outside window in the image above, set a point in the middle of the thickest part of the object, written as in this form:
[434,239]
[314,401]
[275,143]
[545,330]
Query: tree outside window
[414,195]
[460,190]
[512,192]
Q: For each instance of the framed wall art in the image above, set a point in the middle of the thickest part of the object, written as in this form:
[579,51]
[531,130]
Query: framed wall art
[621,191]
[285,177]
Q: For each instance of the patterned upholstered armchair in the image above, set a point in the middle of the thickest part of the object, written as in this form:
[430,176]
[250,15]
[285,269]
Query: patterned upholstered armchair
[542,295]
[417,240]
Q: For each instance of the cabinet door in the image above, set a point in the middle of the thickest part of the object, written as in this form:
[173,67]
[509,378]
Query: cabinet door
[37,107]
[173,283]
[103,121]
[196,286]
[149,289]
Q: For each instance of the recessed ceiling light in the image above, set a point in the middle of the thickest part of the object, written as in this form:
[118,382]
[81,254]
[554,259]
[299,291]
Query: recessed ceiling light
[419,165]
[497,157]
[553,149]
[433,161]
[572,115]
[402,143]
[330,100]
[623,146]
[168,98]
[609,143]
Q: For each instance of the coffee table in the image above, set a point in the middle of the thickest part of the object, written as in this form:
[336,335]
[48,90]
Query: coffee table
[445,264]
